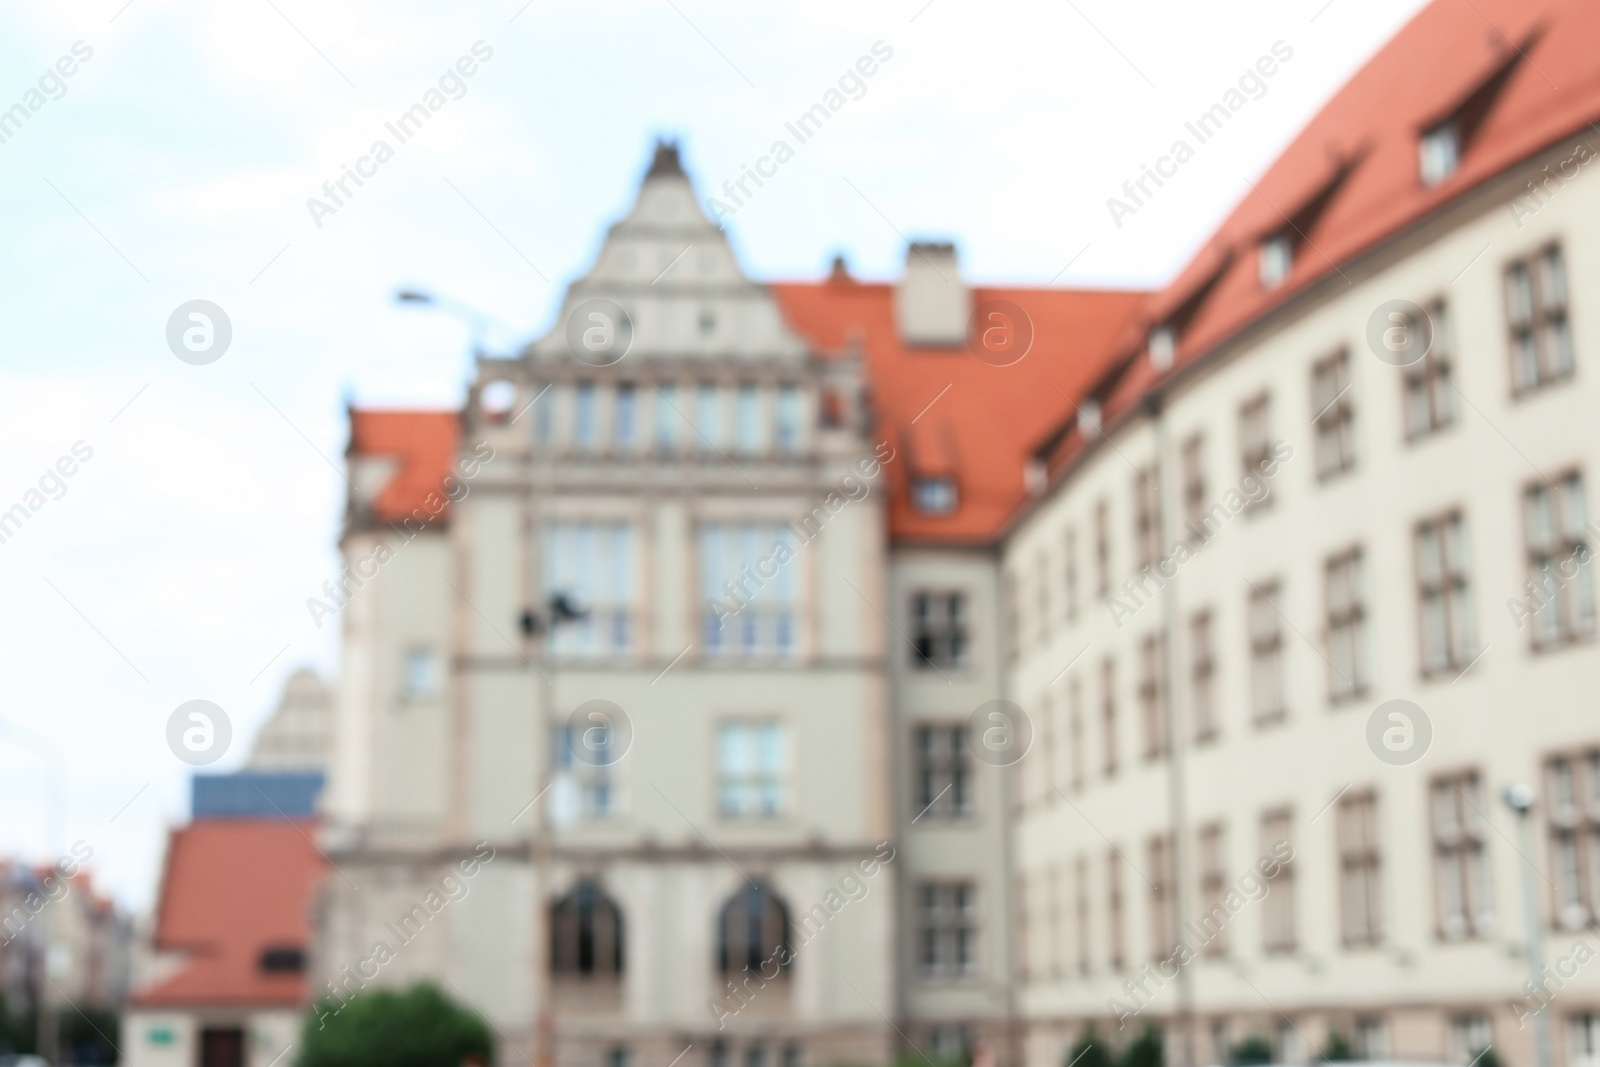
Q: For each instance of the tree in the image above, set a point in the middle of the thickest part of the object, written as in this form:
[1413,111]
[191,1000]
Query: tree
[1338,1048]
[1252,1050]
[1144,1050]
[1088,1052]
[417,1028]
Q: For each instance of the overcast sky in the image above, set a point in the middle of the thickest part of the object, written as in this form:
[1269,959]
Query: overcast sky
[175,163]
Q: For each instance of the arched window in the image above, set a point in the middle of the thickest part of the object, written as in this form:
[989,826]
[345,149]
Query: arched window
[753,927]
[586,934]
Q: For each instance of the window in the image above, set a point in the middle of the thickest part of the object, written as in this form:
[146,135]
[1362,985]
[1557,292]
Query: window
[542,405]
[1276,258]
[1277,907]
[1360,901]
[1153,695]
[1255,443]
[750,766]
[1438,152]
[586,934]
[1194,489]
[667,418]
[585,422]
[421,673]
[1108,714]
[939,629]
[708,416]
[1163,938]
[1081,909]
[1347,627]
[1102,549]
[1041,588]
[590,566]
[581,787]
[1013,611]
[1115,942]
[1146,519]
[1075,728]
[1444,610]
[1536,311]
[943,772]
[1334,415]
[1162,347]
[788,418]
[747,420]
[753,931]
[1053,919]
[627,420]
[1572,788]
[947,931]
[1561,600]
[1266,654]
[617,1056]
[1430,399]
[1461,868]
[747,579]
[933,495]
[1070,585]
[1372,1037]
[1214,913]
[1583,1039]
[1470,1033]
[1202,676]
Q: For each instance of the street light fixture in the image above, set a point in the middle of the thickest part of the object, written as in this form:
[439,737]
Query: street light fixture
[1519,798]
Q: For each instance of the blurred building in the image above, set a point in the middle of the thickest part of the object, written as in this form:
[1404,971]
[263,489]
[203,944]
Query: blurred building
[1342,461]
[226,985]
[63,944]
[791,672]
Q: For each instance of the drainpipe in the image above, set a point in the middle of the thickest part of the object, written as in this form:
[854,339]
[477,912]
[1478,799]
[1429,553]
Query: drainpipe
[1177,798]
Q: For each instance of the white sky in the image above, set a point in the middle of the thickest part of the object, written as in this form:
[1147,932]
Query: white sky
[191,140]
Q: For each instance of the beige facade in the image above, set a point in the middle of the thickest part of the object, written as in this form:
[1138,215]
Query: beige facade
[1399,922]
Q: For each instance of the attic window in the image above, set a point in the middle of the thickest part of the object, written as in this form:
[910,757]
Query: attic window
[1277,256]
[1162,347]
[283,959]
[708,321]
[1439,152]
[1089,418]
[934,495]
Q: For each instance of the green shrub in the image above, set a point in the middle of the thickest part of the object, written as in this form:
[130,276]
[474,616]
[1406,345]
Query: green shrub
[417,1028]
[1338,1049]
[1252,1050]
[1088,1052]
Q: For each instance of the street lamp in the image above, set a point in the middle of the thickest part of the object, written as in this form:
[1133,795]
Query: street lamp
[1519,798]
[477,321]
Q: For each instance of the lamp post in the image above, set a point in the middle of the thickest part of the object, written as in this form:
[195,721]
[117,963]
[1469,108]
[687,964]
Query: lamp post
[477,321]
[1519,798]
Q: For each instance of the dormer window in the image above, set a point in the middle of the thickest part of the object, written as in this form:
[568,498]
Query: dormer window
[934,495]
[1439,152]
[283,959]
[1089,418]
[1277,256]
[1162,348]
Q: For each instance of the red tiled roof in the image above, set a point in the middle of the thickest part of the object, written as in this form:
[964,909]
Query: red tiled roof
[232,888]
[1532,61]
[423,442]
[947,412]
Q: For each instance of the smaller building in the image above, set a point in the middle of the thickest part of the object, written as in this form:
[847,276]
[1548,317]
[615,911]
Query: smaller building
[226,984]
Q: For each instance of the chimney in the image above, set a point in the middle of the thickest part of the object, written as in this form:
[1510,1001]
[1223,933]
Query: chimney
[931,305]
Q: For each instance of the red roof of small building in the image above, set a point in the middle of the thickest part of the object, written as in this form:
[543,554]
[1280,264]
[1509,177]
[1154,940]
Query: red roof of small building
[424,443]
[231,889]
[1522,75]
[945,411]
